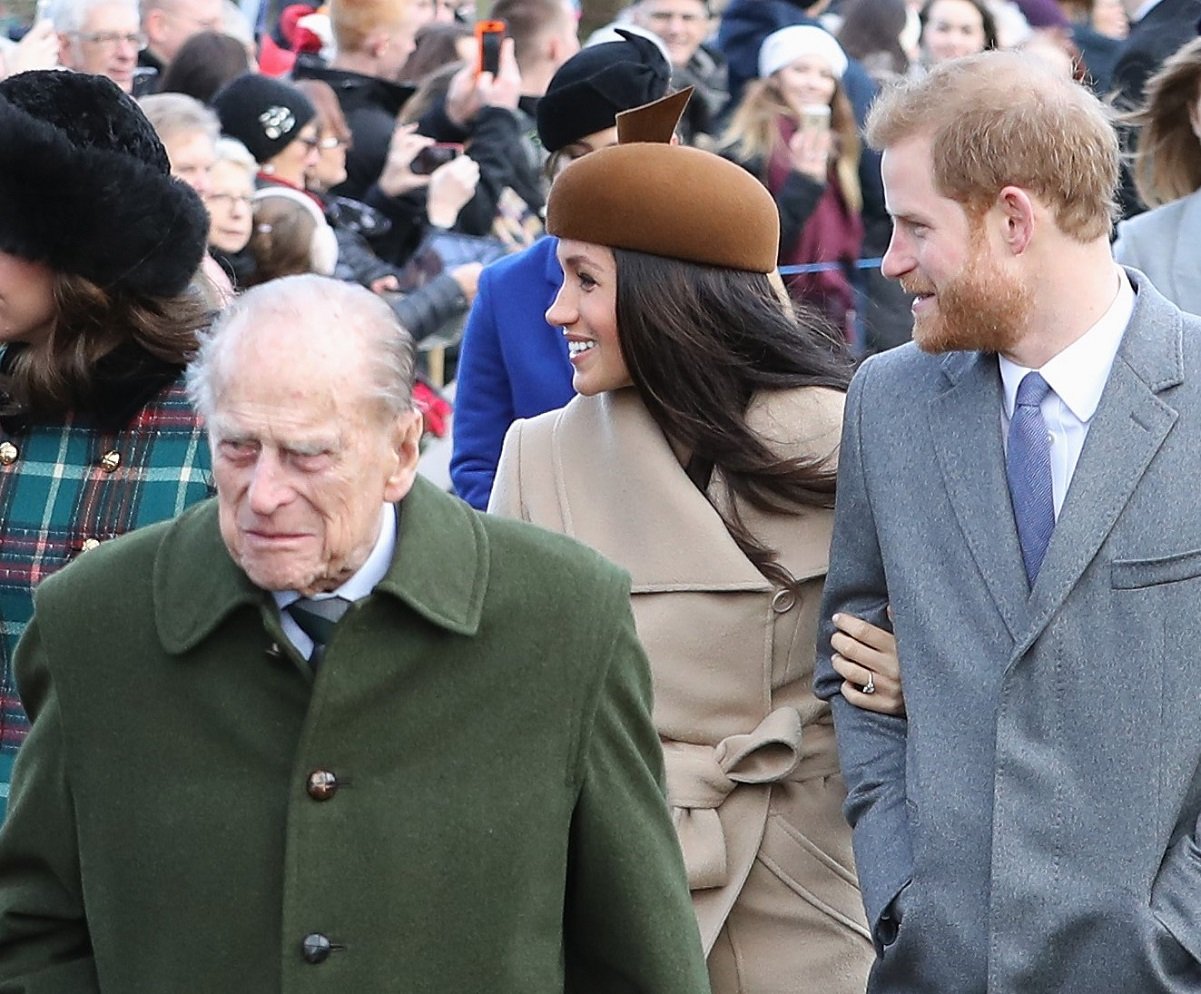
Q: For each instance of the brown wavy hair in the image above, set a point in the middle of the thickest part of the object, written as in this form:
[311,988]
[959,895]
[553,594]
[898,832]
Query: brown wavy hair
[1168,164]
[699,343]
[56,374]
[282,241]
[1005,118]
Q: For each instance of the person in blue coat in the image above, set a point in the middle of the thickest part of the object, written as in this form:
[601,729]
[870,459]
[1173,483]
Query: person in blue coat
[512,363]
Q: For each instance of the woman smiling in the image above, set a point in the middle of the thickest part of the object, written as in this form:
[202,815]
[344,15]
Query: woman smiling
[700,456]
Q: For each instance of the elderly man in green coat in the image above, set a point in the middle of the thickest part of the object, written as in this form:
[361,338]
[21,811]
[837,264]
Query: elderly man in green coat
[334,731]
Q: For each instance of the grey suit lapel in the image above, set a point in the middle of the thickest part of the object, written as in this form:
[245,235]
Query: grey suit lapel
[1129,427]
[965,421]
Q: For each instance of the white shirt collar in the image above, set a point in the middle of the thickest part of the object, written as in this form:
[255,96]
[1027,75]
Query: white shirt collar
[374,569]
[1078,374]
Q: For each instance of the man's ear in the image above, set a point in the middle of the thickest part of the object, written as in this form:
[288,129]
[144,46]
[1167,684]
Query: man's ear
[66,51]
[404,452]
[376,43]
[152,24]
[1019,216]
[552,49]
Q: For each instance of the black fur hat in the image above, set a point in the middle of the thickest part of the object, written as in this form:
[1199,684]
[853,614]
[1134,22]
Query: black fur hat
[596,84]
[85,186]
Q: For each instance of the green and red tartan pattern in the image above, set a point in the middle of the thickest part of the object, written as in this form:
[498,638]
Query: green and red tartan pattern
[56,496]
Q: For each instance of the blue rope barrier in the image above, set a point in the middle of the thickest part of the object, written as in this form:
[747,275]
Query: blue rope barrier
[824,267]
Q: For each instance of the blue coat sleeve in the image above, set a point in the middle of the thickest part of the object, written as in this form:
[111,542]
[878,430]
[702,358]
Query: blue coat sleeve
[871,746]
[483,401]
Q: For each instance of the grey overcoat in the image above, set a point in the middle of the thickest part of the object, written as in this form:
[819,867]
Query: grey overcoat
[1162,243]
[1040,805]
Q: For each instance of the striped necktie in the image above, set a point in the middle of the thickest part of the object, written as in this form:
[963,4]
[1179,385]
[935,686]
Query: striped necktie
[316,617]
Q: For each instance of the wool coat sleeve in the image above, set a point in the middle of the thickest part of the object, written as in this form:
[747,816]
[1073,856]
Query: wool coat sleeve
[871,746]
[44,943]
[628,919]
[483,400]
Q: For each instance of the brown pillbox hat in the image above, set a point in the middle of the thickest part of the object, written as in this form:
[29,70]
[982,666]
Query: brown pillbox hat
[649,196]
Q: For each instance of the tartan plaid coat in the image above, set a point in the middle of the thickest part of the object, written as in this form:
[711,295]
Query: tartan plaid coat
[67,486]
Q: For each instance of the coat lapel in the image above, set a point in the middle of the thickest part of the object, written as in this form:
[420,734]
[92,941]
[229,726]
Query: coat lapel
[670,537]
[440,571]
[965,423]
[1129,427]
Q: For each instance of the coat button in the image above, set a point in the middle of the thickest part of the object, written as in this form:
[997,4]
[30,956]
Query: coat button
[89,544]
[784,600]
[8,453]
[110,460]
[322,785]
[315,948]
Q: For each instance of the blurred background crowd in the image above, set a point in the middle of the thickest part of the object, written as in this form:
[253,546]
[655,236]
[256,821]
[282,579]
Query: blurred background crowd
[396,163]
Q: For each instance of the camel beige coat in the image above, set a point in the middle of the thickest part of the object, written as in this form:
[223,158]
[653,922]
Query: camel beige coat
[752,774]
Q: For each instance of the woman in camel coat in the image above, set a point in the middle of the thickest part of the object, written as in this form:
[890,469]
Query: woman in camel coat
[700,456]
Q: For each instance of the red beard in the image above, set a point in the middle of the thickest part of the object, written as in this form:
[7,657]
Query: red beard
[983,308]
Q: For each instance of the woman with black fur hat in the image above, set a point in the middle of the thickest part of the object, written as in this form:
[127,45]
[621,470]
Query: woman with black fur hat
[99,310]
[700,456]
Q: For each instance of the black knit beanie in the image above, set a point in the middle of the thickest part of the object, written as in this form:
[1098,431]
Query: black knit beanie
[86,187]
[263,113]
[596,84]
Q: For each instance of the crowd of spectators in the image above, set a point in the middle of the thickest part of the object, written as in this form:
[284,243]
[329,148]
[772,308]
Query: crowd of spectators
[404,78]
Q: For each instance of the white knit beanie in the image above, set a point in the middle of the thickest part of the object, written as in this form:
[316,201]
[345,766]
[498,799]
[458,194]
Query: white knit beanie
[782,48]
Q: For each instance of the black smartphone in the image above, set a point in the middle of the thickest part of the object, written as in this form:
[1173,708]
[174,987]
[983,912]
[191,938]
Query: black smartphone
[433,156]
[489,35]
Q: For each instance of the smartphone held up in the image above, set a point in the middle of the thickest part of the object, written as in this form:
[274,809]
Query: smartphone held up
[433,156]
[815,117]
[488,36]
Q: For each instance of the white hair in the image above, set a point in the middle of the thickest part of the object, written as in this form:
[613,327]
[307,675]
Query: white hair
[353,314]
[234,152]
[172,114]
[70,15]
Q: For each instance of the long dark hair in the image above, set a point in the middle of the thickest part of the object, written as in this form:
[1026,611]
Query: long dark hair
[57,373]
[205,63]
[699,342]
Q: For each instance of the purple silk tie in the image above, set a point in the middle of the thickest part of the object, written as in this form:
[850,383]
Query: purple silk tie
[1028,469]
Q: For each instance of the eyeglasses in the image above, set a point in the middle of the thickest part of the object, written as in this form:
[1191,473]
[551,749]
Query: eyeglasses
[111,39]
[324,144]
[229,199]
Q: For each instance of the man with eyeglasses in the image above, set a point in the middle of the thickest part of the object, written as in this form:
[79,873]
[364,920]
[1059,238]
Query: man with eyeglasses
[683,26]
[102,37]
[167,25]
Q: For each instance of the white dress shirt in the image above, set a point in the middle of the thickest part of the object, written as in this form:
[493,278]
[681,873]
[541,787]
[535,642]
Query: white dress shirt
[355,588]
[1076,376]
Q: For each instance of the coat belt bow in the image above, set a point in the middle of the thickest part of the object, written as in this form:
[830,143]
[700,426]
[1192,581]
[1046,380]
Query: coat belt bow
[700,778]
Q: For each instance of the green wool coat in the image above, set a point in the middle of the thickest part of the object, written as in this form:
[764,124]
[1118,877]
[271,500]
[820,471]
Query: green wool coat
[495,824]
